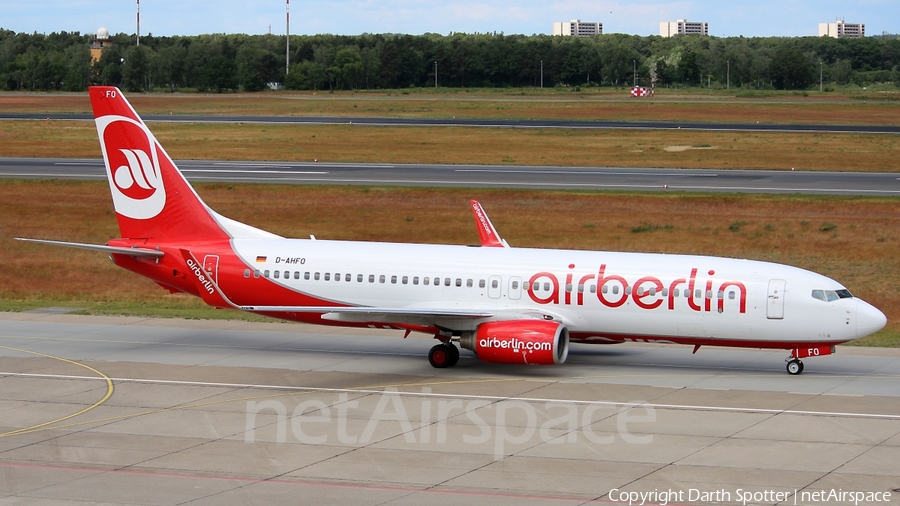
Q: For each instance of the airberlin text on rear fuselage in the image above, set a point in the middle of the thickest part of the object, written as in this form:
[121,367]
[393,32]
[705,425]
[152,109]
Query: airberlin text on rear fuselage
[647,292]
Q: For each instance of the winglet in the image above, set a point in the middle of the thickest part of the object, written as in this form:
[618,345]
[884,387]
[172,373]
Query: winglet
[486,231]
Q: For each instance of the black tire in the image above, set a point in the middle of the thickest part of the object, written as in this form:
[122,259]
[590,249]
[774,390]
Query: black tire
[794,367]
[439,356]
[454,354]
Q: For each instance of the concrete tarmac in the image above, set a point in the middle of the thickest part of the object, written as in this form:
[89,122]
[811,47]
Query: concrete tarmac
[486,176]
[116,410]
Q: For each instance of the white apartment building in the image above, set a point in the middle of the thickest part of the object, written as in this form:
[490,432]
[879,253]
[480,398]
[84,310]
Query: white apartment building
[683,27]
[840,30]
[577,28]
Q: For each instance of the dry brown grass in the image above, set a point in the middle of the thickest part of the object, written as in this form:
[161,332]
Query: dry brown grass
[460,145]
[860,251]
[616,106]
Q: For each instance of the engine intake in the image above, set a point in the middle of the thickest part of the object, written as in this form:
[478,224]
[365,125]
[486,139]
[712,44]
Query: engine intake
[532,342]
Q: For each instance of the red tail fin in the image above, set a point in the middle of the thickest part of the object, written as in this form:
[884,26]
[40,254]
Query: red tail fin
[151,197]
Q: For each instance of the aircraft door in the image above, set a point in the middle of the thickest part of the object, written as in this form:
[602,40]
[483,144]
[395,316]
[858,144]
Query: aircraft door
[494,287]
[515,288]
[211,266]
[775,299]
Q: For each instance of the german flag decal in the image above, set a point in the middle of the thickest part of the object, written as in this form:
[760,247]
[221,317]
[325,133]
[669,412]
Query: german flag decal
[261,259]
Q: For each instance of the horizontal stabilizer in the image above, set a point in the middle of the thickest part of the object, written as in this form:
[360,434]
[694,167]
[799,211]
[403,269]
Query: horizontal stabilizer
[134,252]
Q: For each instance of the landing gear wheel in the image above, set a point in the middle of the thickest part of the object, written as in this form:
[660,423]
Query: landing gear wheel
[440,356]
[794,367]
[454,354]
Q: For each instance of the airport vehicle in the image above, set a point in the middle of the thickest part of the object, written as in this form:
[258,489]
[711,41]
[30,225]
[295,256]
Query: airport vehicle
[507,305]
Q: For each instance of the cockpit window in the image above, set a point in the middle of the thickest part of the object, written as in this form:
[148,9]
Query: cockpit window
[831,295]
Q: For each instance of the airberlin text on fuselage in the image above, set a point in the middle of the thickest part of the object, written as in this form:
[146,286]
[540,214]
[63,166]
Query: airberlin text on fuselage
[647,292]
[198,271]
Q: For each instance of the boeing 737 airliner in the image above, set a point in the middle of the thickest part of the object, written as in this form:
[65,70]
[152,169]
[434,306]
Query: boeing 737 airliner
[507,305]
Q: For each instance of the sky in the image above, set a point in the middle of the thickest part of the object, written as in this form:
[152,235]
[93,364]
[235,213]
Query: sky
[761,18]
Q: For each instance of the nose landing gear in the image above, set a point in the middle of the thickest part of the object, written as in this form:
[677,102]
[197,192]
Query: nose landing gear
[794,366]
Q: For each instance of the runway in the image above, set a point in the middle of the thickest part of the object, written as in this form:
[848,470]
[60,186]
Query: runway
[158,411]
[493,176]
[474,122]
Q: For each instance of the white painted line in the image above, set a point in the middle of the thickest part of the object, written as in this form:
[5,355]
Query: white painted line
[589,173]
[228,171]
[494,398]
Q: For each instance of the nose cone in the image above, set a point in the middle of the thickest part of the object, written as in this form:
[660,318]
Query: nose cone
[868,319]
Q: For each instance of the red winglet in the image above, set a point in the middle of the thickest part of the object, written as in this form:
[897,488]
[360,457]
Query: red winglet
[486,231]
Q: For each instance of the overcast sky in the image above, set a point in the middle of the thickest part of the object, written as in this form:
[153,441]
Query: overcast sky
[641,17]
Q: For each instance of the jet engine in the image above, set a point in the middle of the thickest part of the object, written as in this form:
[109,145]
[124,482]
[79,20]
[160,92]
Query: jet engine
[532,342]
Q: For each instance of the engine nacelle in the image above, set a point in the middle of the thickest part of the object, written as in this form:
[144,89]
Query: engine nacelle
[532,342]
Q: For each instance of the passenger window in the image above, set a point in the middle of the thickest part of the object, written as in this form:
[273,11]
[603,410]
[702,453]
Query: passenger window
[731,295]
[266,273]
[404,279]
[415,280]
[720,294]
[709,294]
[593,288]
[371,278]
[446,281]
[469,283]
[676,292]
[640,291]
[256,273]
[605,289]
[458,282]
[495,283]
[698,293]
[287,274]
[359,278]
[547,287]
[348,278]
[316,276]
[296,274]
[381,278]
[653,291]
[246,273]
[306,275]
[480,283]
[627,290]
[665,292]
[327,276]
[276,274]
[615,289]
[337,276]
[569,287]
[425,280]
[515,284]
[393,280]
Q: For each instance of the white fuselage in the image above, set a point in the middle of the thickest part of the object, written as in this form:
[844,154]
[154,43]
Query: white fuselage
[653,297]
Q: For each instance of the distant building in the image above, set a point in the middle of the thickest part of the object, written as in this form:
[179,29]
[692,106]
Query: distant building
[577,28]
[683,27]
[101,41]
[841,30]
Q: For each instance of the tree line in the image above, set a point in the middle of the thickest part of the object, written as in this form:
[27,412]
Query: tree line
[237,62]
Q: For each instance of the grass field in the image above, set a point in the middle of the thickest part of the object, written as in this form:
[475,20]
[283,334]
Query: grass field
[881,108]
[853,240]
[469,145]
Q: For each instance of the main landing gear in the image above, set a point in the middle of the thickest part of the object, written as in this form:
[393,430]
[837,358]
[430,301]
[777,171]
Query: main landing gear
[443,355]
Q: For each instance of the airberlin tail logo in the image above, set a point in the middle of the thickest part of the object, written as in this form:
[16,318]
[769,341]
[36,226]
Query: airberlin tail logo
[132,164]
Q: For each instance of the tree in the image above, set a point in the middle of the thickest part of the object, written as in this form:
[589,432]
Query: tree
[136,71]
[791,70]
